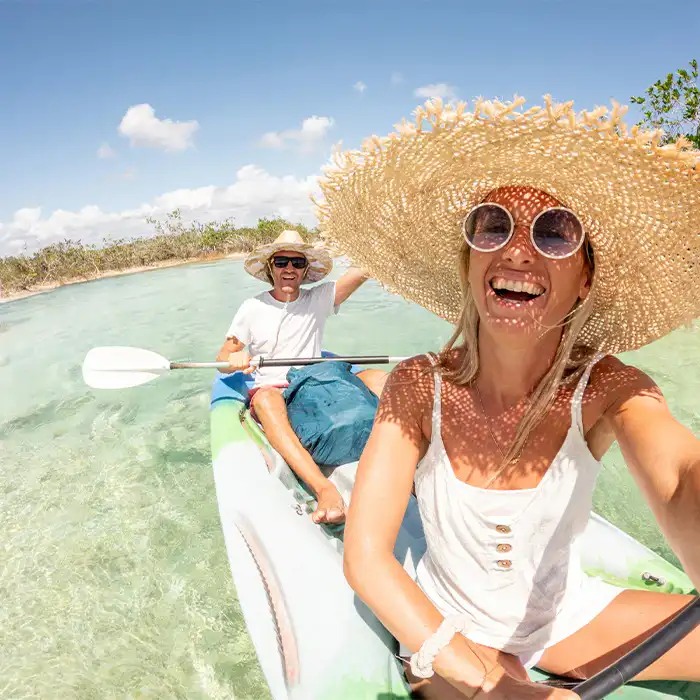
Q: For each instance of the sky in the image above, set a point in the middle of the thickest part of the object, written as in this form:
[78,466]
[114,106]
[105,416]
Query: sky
[112,111]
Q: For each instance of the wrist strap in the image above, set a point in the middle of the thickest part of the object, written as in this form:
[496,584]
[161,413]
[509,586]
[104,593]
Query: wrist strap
[422,660]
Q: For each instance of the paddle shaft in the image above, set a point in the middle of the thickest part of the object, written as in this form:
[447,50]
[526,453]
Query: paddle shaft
[293,361]
[642,656]
[199,365]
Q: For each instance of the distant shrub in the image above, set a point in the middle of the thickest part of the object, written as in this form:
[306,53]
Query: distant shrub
[174,240]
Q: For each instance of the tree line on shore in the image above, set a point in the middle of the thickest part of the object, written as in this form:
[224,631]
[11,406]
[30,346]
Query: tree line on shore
[173,241]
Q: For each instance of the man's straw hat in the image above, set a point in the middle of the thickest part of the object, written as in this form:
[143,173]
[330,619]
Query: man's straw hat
[395,207]
[320,262]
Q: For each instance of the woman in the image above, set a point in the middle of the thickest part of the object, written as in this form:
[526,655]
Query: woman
[571,240]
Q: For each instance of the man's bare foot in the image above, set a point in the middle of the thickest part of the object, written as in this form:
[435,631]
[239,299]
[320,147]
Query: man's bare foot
[330,506]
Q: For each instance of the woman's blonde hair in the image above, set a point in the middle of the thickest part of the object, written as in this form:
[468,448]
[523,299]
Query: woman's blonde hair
[568,364]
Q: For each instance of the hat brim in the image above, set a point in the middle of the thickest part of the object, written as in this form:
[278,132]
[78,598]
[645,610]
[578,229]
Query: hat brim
[320,262]
[396,209]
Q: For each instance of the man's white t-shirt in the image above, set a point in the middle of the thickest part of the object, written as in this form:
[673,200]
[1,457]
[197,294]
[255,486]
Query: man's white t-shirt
[274,328]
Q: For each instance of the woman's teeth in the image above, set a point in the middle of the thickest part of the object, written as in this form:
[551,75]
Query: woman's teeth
[531,288]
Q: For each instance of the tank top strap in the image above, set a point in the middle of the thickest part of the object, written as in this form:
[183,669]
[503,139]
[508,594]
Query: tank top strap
[577,400]
[437,400]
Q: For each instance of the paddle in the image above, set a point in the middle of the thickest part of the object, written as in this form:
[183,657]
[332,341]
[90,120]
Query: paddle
[117,367]
[642,656]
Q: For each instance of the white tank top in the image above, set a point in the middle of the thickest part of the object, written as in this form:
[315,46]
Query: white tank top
[508,559]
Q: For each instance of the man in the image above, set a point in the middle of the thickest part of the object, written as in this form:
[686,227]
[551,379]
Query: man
[288,321]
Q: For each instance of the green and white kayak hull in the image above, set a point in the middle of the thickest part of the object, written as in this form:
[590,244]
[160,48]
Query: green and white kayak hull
[314,639]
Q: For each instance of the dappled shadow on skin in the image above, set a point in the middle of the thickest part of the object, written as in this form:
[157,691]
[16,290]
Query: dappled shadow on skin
[408,402]
[556,287]
[505,433]
[472,435]
[467,436]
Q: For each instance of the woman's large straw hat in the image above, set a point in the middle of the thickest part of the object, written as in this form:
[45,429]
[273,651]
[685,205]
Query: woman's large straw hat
[320,262]
[395,206]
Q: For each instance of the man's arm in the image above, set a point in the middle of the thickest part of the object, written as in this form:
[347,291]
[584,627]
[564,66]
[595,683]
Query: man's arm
[237,337]
[348,283]
[231,345]
[232,352]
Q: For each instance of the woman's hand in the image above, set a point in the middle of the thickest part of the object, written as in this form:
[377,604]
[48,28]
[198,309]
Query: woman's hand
[502,677]
[509,688]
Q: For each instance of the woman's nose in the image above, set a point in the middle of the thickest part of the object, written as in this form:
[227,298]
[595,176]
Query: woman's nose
[519,250]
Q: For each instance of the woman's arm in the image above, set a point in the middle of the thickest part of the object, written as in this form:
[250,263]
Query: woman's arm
[664,459]
[380,496]
[379,500]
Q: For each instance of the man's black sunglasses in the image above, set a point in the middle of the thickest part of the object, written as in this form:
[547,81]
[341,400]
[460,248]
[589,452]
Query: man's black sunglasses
[282,261]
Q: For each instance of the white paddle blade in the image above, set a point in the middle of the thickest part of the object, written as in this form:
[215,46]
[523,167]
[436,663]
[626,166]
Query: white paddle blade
[122,367]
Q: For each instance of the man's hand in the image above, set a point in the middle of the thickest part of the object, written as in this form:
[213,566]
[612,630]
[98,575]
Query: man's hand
[231,352]
[239,362]
[331,507]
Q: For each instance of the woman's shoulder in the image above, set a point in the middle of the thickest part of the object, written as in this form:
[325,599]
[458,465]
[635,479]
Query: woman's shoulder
[417,370]
[612,370]
[409,387]
[613,382]
[417,363]
[423,368]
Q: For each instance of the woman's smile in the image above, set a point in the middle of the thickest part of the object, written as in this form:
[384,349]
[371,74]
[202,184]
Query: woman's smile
[508,291]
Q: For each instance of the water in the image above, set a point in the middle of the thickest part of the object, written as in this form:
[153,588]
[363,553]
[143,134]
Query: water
[113,577]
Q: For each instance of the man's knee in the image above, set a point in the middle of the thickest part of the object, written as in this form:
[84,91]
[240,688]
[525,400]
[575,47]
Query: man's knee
[268,401]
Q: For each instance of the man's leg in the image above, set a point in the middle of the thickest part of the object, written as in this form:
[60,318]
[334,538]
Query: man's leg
[271,410]
[373,379]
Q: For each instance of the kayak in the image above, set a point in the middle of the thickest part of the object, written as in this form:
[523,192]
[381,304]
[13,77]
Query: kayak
[313,637]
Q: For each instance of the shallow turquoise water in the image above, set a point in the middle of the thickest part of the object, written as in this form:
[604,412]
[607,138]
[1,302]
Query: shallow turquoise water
[113,574]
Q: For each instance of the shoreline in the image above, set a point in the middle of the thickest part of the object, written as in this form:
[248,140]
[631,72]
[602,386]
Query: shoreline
[42,289]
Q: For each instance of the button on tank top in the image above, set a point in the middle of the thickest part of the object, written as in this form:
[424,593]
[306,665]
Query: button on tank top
[510,560]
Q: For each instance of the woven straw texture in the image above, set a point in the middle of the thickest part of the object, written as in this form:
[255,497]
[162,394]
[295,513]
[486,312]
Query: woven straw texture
[395,206]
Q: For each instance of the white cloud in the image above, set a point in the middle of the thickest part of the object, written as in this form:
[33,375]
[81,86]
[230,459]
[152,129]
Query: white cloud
[309,137]
[254,194]
[396,78]
[26,218]
[273,139]
[359,86]
[441,90]
[106,151]
[141,126]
